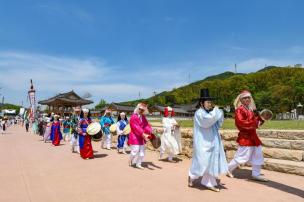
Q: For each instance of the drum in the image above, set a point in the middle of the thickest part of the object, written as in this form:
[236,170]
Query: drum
[266,114]
[97,137]
[127,130]
[93,128]
[155,141]
[113,128]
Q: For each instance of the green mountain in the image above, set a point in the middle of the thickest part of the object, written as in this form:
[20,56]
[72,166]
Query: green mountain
[276,88]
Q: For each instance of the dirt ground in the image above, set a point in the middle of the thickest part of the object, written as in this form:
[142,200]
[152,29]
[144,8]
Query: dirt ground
[31,170]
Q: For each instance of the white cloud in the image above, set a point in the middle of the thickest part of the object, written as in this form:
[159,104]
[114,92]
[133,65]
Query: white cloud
[52,75]
[57,74]
[254,64]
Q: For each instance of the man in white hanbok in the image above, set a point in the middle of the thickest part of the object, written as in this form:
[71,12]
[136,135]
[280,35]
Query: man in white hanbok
[208,160]
[171,138]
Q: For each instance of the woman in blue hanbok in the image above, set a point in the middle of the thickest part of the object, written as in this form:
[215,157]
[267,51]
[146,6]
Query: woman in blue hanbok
[122,122]
[208,160]
[106,121]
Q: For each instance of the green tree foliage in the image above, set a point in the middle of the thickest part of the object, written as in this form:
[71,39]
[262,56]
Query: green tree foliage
[101,104]
[10,106]
[276,88]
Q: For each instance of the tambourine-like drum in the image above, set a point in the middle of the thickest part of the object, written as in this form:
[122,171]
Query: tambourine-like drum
[266,114]
[113,128]
[97,137]
[155,140]
[127,130]
[93,128]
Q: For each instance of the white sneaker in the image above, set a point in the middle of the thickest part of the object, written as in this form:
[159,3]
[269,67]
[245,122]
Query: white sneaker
[213,189]
[190,182]
[229,174]
[259,178]
[140,167]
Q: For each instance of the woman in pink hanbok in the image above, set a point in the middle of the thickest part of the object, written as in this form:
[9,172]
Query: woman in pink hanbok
[140,131]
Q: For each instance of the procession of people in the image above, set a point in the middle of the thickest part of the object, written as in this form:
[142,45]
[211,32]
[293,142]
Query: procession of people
[209,161]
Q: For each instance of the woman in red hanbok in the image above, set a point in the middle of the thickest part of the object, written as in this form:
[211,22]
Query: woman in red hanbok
[86,150]
[56,135]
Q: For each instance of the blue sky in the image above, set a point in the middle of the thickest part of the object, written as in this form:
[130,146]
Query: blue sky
[115,49]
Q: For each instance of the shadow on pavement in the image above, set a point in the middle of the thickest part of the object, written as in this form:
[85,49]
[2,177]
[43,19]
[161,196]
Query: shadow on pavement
[148,164]
[246,174]
[175,160]
[197,184]
[100,155]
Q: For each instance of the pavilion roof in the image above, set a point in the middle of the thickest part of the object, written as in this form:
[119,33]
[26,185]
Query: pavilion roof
[66,99]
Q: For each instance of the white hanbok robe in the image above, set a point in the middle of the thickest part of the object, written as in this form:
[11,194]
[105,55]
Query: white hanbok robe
[208,151]
[171,138]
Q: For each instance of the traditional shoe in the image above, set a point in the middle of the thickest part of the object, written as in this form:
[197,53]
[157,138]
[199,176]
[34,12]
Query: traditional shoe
[259,178]
[124,152]
[213,189]
[160,156]
[140,167]
[190,182]
[229,174]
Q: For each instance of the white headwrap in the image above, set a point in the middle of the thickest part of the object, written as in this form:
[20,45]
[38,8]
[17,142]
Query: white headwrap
[85,110]
[141,106]
[237,102]
[170,109]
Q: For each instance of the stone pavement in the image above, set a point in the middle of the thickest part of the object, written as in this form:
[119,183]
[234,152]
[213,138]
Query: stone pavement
[31,170]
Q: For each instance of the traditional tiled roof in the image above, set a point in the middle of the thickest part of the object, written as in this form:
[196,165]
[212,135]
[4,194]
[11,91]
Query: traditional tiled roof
[175,109]
[66,99]
[118,107]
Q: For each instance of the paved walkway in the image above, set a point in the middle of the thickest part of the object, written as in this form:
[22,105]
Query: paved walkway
[31,170]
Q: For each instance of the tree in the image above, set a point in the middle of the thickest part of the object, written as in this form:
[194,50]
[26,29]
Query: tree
[101,104]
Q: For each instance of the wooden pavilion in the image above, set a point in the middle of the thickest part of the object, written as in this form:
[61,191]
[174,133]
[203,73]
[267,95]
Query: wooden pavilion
[63,103]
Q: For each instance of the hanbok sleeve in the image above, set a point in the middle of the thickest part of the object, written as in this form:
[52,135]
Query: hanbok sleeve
[102,122]
[135,126]
[167,126]
[147,126]
[220,121]
[206,120]
[80,132]
[119,132]
[112,120]
[242,122]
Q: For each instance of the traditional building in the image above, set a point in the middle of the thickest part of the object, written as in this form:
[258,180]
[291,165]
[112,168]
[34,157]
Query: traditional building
[190,108]
[63,103]
[158,110]
[117,108]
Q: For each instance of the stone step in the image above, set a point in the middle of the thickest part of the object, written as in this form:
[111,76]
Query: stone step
[283,154]
[271,143]
[273,134]
[284,166]
[283,143]
[282,134]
